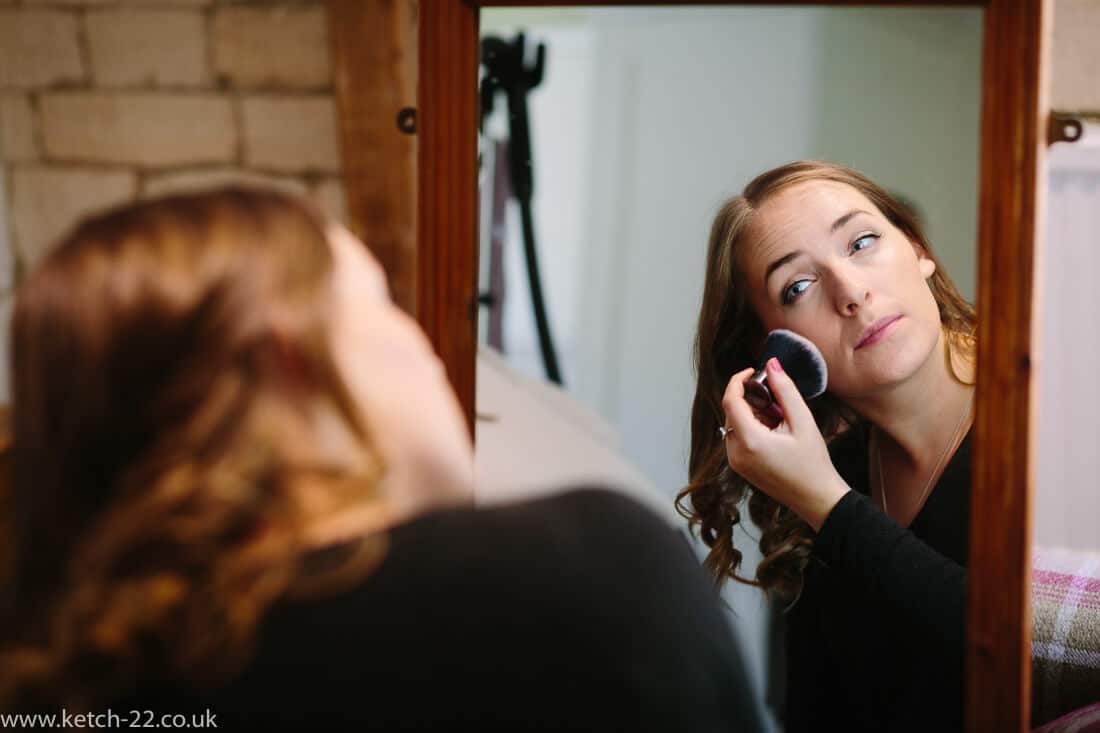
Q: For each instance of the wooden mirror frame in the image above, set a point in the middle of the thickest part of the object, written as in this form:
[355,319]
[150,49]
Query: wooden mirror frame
[413,198]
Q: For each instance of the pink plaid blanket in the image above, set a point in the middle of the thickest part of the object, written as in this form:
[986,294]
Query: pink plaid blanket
[1065,644]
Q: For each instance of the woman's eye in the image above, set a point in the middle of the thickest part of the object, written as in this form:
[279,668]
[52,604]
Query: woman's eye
[863,242]
[794,291]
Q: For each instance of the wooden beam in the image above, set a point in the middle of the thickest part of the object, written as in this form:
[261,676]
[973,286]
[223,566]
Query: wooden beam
[448,93]
[1010,228]
[374,57]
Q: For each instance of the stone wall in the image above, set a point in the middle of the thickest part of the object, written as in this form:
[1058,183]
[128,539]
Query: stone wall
[106,101]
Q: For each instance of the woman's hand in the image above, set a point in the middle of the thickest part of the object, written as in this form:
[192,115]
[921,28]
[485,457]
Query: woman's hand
[786,458]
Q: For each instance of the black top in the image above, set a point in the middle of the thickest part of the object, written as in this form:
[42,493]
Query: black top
[877,639]
[577,611]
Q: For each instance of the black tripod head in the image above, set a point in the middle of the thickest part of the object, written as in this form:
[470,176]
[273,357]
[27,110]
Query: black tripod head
[505,72]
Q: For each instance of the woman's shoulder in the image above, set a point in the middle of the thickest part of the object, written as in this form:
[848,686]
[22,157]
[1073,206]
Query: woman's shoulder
[565,529]
[571,509]
[539,600]
[535,552]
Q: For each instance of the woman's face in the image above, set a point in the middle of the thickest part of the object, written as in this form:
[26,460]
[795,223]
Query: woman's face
[821,260]
[398,381]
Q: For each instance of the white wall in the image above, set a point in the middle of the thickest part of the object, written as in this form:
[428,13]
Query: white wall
[684,106]
[902,105]
[561,135]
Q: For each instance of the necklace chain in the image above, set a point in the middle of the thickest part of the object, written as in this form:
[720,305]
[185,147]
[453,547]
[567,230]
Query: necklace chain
[928,483]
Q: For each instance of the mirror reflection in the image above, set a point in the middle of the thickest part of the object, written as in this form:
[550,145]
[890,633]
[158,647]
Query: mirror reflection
[644,128]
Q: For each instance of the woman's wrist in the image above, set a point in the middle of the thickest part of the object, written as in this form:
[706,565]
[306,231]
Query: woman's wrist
[822,503]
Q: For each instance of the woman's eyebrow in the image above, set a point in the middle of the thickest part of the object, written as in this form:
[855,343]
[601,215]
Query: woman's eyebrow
[791,255]
[845,219]
[779,263]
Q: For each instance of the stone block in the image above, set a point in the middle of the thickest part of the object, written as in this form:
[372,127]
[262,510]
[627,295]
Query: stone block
[48,201]
[197,180]
[138,47]
[278,47]
[329,196]
[16,129]
[142,128]
[38,48]
[150,3]
[291,134]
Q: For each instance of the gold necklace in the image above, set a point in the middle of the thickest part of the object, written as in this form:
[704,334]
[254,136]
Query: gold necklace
[939,463]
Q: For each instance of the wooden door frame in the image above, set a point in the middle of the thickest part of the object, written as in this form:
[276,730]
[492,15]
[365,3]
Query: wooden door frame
[441,249]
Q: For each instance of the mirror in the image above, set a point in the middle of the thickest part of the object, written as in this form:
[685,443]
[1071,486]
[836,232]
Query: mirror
[1014,111]
[632,152]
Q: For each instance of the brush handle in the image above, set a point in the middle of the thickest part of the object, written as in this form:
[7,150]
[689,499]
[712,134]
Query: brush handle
[757,393]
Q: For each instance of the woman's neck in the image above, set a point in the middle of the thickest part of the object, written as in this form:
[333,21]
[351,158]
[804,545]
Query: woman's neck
[915,419]
[400,499]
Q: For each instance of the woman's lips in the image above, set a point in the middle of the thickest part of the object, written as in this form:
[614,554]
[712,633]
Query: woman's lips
[878,330]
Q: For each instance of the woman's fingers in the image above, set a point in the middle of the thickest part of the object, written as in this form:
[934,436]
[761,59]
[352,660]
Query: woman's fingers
[735,392]
[772,416]
[795,410]
[739,414]
[789,460]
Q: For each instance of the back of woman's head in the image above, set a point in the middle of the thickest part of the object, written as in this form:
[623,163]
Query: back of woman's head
[160,355]
[729,338]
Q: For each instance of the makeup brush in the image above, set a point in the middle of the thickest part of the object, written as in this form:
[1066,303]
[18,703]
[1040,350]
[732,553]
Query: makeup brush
[801,360]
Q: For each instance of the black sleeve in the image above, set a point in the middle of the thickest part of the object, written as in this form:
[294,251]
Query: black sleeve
[807,697]
[922,589]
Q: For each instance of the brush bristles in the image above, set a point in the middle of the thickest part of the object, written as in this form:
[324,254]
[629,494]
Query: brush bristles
[801,360]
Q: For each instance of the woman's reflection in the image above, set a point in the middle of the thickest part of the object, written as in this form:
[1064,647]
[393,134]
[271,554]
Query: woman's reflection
[861,496]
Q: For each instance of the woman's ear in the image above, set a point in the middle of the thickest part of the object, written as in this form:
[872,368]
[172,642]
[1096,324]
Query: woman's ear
[927,265]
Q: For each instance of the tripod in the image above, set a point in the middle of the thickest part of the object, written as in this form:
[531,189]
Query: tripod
[505,72]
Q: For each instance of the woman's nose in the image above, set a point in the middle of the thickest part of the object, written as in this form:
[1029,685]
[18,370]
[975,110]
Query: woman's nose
[851,293]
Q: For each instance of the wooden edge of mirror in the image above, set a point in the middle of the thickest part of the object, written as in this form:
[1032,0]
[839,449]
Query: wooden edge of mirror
[448,194]
[442,252]
[1016,64]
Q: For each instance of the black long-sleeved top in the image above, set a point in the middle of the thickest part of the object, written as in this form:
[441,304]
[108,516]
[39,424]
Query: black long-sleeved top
[877,639]
[581,611]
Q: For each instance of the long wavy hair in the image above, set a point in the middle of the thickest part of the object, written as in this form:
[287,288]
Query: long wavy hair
[151,507]
[729,338]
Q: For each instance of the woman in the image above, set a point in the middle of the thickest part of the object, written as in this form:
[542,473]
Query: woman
[862,496]
[241,487]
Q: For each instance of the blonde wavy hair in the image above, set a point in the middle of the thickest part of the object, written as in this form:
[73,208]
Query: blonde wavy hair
[729,338]
[151,501]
